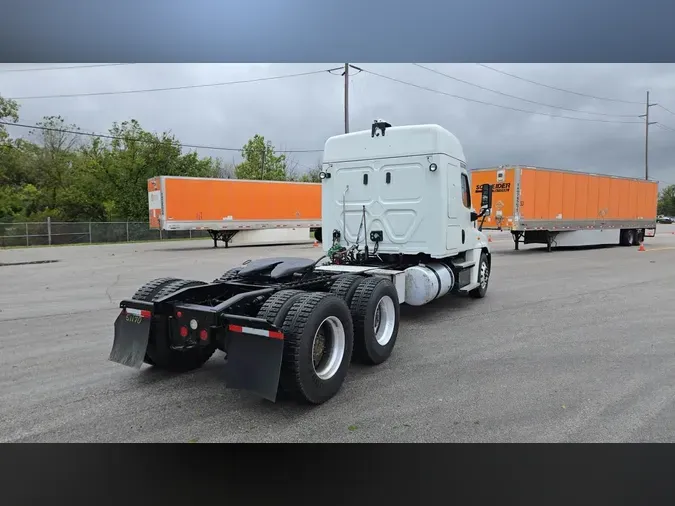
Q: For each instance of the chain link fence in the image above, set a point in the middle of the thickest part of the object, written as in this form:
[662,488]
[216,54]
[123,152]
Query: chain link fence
[52,233]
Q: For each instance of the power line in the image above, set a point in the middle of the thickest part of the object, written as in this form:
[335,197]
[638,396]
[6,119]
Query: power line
[187,87]
[665,127]
[667,110]
[496,105]
[520,98]
[38,69]
[557,89]
[114,137]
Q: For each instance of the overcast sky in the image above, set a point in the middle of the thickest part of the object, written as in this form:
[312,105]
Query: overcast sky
[302,112]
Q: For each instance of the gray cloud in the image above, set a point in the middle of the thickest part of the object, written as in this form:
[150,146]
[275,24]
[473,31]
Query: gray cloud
[300,113]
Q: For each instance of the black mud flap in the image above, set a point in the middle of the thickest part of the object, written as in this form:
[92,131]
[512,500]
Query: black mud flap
[254,353]
[132,332]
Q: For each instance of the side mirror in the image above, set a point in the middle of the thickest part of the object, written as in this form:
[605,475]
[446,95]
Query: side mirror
[486,197]
[474,215]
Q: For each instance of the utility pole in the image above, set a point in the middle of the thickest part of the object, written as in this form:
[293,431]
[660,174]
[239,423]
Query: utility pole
[346,74]
[262,165]
[647,123]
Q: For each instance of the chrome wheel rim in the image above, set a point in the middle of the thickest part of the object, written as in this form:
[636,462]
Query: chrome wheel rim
[328,347]
[484,274]
[384,320]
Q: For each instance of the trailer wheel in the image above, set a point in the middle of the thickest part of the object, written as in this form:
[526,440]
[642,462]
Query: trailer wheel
[628,237]
[318,343]
[345,286]
[159,353]
[375,311]
[639,237]
[228,275]
[483,277]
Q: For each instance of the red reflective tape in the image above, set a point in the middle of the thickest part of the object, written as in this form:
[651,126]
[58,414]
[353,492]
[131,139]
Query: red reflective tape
[143,313]
[256,332]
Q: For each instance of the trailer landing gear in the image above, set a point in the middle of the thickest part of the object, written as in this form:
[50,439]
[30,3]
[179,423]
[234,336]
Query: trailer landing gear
[222,235]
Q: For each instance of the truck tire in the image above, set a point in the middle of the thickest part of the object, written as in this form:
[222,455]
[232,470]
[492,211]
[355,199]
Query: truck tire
[148,290]
[483,277]
[174,286]
[318,343]
[164,357]
[146,294]
[345,286]
[375,311]
[275,308]
[231,274]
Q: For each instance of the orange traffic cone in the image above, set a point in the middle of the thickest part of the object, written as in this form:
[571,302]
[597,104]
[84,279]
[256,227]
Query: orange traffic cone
[489,238]
[316,244]
[642,247]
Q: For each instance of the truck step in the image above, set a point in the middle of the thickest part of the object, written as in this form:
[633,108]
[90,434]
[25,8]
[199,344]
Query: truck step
[464,265]
[469,287]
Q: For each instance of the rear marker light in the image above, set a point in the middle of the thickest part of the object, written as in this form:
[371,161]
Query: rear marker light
[179,314]
[203,335]
[183,331]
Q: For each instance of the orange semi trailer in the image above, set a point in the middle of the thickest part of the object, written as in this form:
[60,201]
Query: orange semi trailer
[565,208]
[226,207]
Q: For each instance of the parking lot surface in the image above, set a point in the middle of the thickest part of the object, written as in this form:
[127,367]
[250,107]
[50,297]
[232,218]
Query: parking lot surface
[572,345]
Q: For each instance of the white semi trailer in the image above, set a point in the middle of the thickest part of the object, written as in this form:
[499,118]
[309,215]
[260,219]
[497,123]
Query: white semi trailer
[398,226]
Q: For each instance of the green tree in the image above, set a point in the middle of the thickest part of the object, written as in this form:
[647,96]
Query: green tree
[54,168]
[666,204]
[312,175]
[260,161]
[9,111]
[56,174]
[131,158]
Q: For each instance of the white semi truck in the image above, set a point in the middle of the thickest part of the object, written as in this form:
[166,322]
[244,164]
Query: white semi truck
[398,227]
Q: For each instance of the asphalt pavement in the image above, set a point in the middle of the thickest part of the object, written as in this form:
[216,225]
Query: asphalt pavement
[573,345]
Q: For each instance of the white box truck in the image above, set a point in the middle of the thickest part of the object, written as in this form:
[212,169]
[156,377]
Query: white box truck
[399,226]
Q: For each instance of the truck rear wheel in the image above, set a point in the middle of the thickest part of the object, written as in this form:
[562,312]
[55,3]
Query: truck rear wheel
[148,290]
[159,354]
[231,274]
[318,342]
[146,293]
[275,308]
[483,277]
[345,286]
[375,311]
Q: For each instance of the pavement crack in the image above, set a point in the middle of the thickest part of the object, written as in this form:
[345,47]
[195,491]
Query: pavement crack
[107,290]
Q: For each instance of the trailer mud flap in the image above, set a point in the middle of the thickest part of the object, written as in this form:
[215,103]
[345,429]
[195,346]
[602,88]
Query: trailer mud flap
[253,360]
[132,333]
